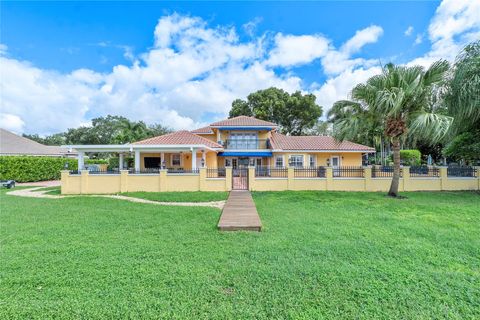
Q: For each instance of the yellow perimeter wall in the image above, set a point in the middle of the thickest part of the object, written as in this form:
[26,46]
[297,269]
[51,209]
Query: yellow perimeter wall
[124,182]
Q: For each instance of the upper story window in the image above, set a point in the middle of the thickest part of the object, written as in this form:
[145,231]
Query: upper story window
[243,140]
[296,160]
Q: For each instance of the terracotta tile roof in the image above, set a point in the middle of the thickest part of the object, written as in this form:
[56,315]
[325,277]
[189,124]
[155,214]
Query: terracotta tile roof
[282,142]
[243,121]
[180,137]
[204,130]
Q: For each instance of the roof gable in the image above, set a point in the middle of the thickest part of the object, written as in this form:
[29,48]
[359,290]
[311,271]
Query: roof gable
[283,142]
[182,137]
[243,121]
[204,130]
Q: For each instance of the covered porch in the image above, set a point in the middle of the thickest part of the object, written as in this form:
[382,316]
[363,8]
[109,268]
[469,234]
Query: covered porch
[149,159]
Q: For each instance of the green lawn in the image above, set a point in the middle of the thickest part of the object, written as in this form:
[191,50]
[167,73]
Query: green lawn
[321,255]
[179,196]
[52,190]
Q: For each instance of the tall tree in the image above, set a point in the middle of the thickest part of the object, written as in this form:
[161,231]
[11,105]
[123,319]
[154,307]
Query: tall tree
[463,102]
[295,113]
[403,100]
[113,130]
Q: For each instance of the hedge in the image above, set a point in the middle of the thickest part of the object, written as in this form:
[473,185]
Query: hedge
[29,169]
[96,161]
[410,157]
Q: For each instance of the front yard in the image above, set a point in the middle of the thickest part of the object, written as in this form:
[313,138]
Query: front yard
[320,255]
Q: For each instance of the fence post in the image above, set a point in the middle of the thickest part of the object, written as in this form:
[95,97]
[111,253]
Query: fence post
[290,177]
[228,178]
[251,178]
[478,177]
[406,178]
[367,175]
[443,178]
[162,183]
[329,176]
[64,175]
[84,181]
[203,177]
[123,180]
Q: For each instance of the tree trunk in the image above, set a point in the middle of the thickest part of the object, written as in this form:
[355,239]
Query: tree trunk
[396,167]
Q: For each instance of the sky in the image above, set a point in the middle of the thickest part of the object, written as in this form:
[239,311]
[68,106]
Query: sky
[182,64]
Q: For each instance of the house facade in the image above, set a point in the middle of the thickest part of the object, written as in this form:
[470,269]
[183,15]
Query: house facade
[238,142]
[249,154]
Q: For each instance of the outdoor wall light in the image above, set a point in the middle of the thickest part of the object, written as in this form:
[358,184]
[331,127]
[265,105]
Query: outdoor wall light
[203,163]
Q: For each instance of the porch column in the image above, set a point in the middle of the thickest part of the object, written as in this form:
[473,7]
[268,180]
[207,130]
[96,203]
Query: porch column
[120,161]
[194,158]
[81,164]
[137,160]
[162,158]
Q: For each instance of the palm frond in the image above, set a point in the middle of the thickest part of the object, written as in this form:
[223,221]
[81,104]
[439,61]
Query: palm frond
[431,126]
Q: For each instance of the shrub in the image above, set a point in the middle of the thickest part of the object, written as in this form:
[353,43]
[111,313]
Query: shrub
[29,169]
[96,161]
[410,157]
[113,162]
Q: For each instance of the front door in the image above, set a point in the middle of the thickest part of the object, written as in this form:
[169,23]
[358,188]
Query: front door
[335,165]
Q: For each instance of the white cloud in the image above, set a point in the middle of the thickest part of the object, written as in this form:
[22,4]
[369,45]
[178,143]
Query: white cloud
[362,38]
[418,38]
[11,122]
[293,50]
[337,61]
[192,69]
[409,31]
[251,26]
[453,17]
[339,87]
[455,23]
[3,49]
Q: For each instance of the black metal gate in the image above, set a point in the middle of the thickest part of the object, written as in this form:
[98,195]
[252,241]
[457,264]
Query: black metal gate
[240,178]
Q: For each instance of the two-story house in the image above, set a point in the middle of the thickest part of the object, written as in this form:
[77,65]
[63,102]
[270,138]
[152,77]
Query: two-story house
[237,142]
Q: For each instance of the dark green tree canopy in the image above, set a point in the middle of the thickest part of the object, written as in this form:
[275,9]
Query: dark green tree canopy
[462,100]
[296,113]
[104,130]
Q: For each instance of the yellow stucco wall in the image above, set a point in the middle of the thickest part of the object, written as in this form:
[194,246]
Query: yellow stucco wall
[111,183]
[346,158]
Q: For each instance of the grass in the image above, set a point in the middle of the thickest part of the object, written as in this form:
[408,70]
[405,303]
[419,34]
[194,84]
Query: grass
[322,255]
[179,196]
[51,190]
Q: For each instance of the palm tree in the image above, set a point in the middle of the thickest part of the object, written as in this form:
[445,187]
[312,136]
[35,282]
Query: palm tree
[353,121]
[401,100]
[462,100]
[463,94]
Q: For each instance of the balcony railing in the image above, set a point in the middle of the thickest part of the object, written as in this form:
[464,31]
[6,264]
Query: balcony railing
[246,144]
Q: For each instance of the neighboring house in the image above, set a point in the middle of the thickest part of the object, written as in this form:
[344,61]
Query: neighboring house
[15,145]
[236,142]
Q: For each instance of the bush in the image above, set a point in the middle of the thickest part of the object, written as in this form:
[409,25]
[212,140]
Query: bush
[113,162]
[96,161]
[29,169]
[410,157]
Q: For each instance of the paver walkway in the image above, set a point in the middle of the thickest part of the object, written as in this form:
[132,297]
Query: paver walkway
[240,213]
